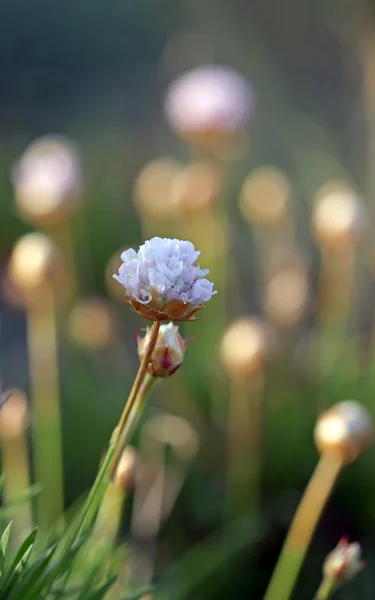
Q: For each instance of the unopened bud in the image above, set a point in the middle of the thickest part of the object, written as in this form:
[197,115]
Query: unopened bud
[14,414]
[344,562]
[344,431]
[33,260]
[245,346]
[124,474]
[169,351]
[338,218]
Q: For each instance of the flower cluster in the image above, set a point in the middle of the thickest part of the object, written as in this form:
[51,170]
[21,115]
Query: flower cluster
[163,280]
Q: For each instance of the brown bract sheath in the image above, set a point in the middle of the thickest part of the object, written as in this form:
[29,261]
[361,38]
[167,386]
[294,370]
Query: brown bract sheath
[173,310]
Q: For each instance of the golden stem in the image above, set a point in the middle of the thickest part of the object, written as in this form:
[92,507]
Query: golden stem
[244,445]
[300,533]
[46,428]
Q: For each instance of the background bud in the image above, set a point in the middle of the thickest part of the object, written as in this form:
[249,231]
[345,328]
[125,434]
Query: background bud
[245,346]
[344,431]
[169,350]
[33,260]
[338,217]
[344,562]
[47,180]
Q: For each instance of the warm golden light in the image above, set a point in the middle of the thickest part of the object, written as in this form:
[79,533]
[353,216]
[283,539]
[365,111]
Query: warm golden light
[124,474]
[34,258]
[154,189]
[338,218]
[14,414]
[92,324]
[344,431]
[245,346]
[196,188]
[265,196]
[286,296]
[47,180]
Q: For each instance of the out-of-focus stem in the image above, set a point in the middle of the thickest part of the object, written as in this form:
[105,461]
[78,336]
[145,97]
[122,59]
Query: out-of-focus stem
[62,234]
[244,445]
[326,589]
[15,466]
[306,518]
[45,402]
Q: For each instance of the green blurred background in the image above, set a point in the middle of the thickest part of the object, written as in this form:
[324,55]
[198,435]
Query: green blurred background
[97,72]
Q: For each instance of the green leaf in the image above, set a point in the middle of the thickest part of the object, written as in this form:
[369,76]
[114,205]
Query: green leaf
[32,581]
[19,562]
[4,546]
[138,593]
[29,494]
[101,592]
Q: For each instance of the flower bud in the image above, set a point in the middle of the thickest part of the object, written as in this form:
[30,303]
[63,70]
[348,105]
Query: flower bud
[245,346]
[47,180]
[33,260]
[338,218]
[344,562]
[169,350]
[344,431]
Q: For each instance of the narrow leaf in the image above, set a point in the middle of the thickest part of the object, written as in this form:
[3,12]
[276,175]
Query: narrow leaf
[4,546]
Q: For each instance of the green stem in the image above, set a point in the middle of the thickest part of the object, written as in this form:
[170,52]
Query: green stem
[326,589]
[300,533]
[140,388]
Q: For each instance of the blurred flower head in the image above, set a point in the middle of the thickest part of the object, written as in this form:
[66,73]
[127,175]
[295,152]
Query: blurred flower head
[339,217]
[265,196]
[208,103]
[344,431]
[169,350]
[92,324]
[344,562]
[153,191]
[34,260]
[163,281]
[246,346]
[47,179]
[286,295]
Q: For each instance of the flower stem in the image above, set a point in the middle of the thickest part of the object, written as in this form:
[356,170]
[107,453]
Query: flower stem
[298,539]
[326,589]
[137,397]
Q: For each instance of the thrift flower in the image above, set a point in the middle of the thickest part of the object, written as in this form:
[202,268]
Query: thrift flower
[163,281]
[169,350]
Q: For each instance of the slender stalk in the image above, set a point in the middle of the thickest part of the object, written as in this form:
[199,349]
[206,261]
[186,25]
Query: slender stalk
[45,402]
[118,439]
[244,446]
[326,589]
[298,539]
[15,465]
